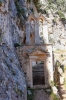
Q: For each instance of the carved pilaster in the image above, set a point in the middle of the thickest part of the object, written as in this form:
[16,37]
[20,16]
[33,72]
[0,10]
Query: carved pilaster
[27,33]
[45,33]
[37,33]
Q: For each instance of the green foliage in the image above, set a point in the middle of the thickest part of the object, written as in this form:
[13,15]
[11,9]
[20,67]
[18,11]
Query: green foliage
[65,67]
[59,42]
[45,11]
[28,1]
[37,4]
[16,45]
[53,6]
[51,40]
[60,2]
[0,3]
[65,83]
[54,21]
[54,97]
[52,83]
[18,91]
[13,73]
[20,11]
[61,14]
[58,6]
[58,63]
[50,1]
[30,96]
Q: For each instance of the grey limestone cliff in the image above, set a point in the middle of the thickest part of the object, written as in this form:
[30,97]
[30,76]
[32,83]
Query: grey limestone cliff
[12,78]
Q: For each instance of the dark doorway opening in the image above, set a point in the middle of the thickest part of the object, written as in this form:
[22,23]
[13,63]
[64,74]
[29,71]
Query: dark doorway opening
[38,73]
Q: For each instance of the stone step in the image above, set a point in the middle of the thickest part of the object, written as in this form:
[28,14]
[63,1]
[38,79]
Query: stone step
[64,95]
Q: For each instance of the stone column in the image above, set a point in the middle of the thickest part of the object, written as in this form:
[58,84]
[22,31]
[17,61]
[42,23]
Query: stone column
[45,33]
[50,65]
[27,32]
[37,41]
[30,74]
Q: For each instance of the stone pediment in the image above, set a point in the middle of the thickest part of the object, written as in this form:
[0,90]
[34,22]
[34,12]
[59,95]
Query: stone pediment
[38,52]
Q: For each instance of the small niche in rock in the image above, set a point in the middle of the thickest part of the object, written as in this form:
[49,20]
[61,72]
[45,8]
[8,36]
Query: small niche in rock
[24,41]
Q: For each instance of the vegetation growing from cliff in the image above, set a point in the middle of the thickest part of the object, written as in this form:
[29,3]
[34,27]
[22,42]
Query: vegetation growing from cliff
[0,3]
[20,11]
[57,7]
[36,3]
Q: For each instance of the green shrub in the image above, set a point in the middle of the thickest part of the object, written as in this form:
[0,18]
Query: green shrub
[54,97]
[65,67]
[52,83]
[30,96]
[58,63]
[37,4]
[50,1]
[0,3]
[16,45]
[18,91]
[13,73]
[61,15]
[60,2]
[28,1]
[65,83]
[20,11]
[51,40]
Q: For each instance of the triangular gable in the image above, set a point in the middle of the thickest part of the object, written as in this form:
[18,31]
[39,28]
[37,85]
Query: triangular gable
[38,52]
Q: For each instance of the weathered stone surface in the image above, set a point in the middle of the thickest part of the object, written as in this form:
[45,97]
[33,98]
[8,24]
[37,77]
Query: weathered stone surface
[12,78]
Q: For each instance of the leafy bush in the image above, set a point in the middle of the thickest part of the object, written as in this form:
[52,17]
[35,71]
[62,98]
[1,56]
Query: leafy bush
[30,96]
[54,97]
[18,91]
[61,14]
[20,11]
[51,40]
[65,83]
[58,63]
[16,45]
[52,83]
[50,1]
[0,3]
[65,67]
[28,1]
[37,4]
[60,2]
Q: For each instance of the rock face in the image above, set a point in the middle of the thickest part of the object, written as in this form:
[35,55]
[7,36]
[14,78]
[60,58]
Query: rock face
[12,79]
